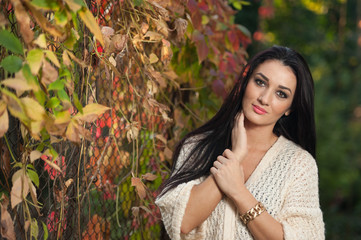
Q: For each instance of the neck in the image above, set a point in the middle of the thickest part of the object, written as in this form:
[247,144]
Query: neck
[260,137]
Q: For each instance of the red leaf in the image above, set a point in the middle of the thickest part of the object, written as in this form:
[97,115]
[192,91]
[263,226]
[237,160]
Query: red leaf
[202,48]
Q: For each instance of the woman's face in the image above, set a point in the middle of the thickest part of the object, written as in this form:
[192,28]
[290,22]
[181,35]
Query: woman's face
[269,93]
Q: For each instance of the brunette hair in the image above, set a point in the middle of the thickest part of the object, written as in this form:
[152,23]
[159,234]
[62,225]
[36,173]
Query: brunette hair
[211,139]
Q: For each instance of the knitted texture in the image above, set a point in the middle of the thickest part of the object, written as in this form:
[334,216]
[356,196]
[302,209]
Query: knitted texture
[285,181]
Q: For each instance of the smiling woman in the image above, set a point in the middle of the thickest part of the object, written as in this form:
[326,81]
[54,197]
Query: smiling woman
[250,172]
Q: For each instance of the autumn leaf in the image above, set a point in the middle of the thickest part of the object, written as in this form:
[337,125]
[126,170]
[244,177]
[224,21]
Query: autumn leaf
[4,118]
[149,177]
[52,57]
[15,106]
[7,225]
[92,24]
[202,48]
[33,109]
[24,21]
[91,112]
[138,184]
[166,52]
[153,36]
[49,73]
[20,188]
[35,59]
[19,84]
[34,155]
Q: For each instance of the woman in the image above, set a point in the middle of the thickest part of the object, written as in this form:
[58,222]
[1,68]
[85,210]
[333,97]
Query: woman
[250,173]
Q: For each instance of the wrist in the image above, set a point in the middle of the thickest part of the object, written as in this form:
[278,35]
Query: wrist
[244,200]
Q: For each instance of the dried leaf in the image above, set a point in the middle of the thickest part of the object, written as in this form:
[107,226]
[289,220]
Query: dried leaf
[144,27]
[7,225]
[20,188]
[162,27]
[43,21]
[92,24]
[138,184]
[133,132]
[52,164]
[77,60]
[166,52]
[160,137]
[49,73]
[168,153]
[119,41]
[18,84]
[107,31]
[158,77]
[149,177]
[34,155]
[23,20]
[135,211]
[180,25]
[4,119]
[66,59]
[68,182]
[153,36]
[91,112]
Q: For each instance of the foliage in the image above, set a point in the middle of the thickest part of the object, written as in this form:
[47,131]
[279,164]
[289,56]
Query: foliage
[131,80]
[328,35]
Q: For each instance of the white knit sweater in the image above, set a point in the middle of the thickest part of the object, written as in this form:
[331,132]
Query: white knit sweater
[285,181]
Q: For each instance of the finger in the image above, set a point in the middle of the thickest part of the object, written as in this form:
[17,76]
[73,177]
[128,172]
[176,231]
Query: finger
[217,165]
[227,154]
[214,170]
[221,159]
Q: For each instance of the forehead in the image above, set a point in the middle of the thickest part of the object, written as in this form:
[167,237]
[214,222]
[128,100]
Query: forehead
[277,73]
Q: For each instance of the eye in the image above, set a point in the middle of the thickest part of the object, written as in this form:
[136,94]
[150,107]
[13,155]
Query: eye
[282,94]
[260,82]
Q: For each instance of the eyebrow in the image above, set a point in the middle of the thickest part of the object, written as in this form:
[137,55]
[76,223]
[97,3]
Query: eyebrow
[280,86]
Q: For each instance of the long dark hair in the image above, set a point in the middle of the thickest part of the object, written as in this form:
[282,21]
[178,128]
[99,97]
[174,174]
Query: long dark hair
[211,139]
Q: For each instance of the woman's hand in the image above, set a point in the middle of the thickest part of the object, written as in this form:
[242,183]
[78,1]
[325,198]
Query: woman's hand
[239,137]
[228,173]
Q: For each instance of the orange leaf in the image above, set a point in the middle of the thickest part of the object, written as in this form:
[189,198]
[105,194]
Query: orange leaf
[138,184]
[23,20]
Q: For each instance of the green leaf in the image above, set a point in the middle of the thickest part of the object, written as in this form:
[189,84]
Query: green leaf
[10,42]
[46,233]
[33,176]
[46,4]
[34,231]
[12,64]
[77,103]
[237,5]
[137,3]
[53,102]
[63,96]
[61,18]
[57,85]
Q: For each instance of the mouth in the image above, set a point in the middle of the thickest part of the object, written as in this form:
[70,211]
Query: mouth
[258,110]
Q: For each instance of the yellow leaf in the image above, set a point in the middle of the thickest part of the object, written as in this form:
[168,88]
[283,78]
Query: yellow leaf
[153,58]
[35,59]
[72,133]
[52,57]
[15,106]
[33,109]
[41,41]
[73,6]
[91,112]
[92,24]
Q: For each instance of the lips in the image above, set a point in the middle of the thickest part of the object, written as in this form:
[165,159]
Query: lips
[259,110]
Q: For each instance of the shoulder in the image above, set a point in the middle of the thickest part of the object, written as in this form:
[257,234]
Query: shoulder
[296,155]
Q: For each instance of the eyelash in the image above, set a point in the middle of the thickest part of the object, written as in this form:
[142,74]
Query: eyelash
[262,83]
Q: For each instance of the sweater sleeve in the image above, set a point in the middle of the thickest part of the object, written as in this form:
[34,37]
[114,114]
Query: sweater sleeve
[300,214]
[172,205]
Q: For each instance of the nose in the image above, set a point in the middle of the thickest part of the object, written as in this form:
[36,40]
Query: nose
[264,97]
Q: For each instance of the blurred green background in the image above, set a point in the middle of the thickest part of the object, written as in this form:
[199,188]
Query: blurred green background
[328,35]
